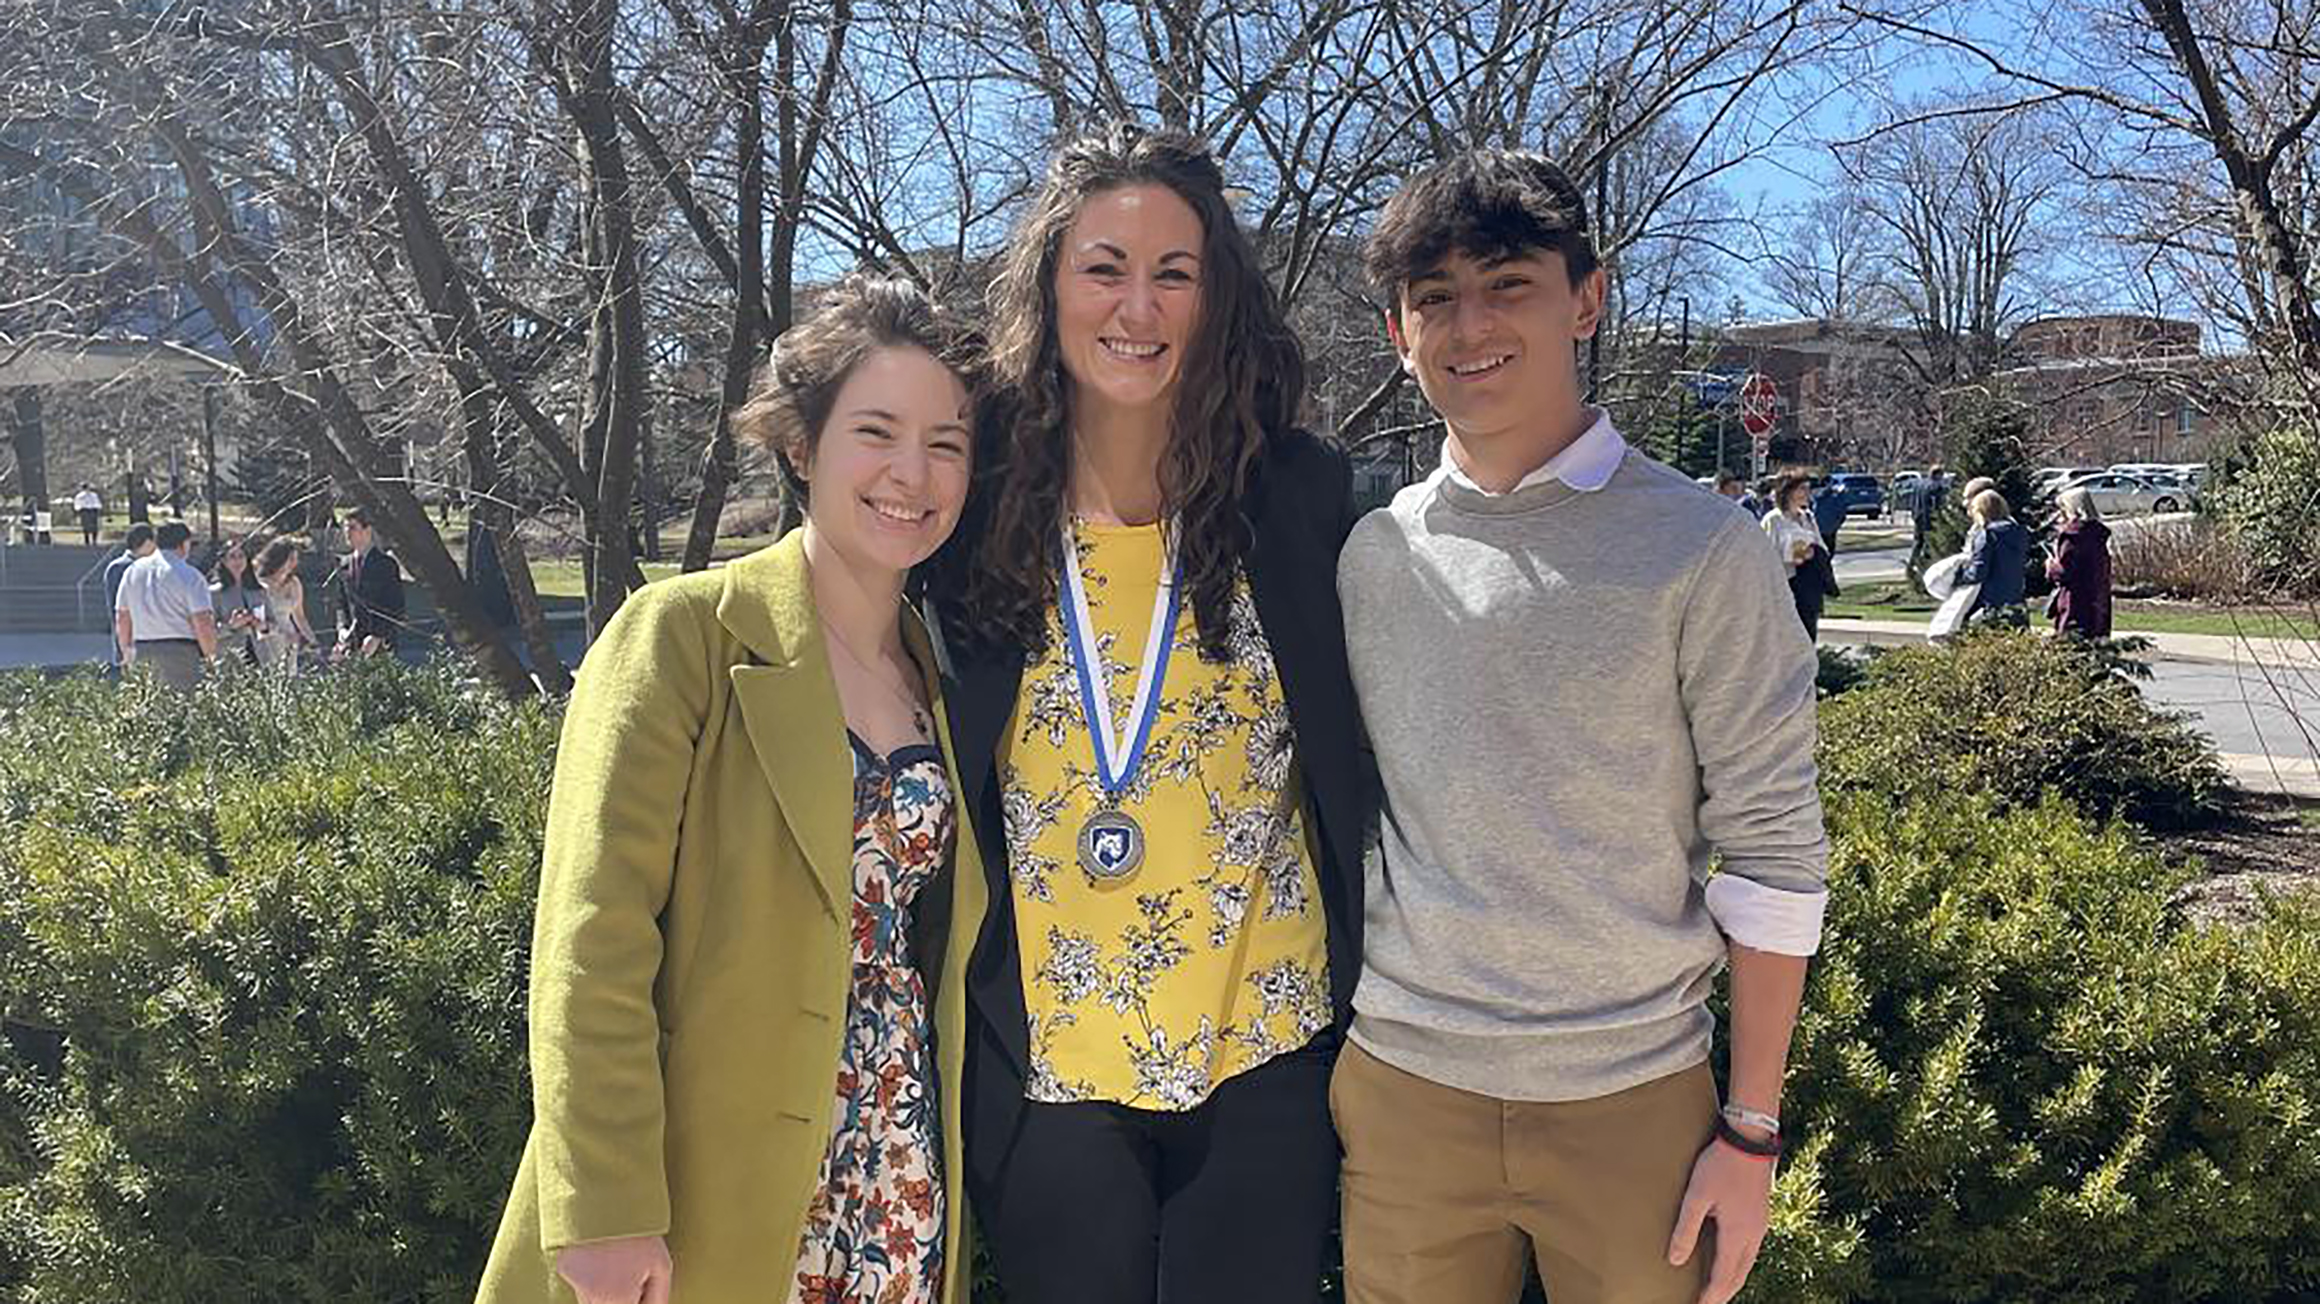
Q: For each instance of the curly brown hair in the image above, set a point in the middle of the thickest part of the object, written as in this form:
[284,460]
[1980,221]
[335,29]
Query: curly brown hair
[791,396]
[1243,379]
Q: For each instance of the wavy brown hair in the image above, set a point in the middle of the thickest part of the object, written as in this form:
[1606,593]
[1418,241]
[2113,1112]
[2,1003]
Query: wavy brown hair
[791,396]
[1243,379]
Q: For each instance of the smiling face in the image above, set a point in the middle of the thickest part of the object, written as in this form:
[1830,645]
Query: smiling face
[1491,342]
[1127,295]
[887,474]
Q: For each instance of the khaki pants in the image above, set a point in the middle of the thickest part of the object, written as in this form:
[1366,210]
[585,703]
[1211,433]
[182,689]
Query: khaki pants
[1446,1191]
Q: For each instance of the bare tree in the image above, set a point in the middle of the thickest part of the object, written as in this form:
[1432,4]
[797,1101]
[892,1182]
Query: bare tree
[1963,199]
[1830,260]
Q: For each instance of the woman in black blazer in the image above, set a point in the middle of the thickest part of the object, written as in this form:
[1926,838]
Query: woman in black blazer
[1172,810]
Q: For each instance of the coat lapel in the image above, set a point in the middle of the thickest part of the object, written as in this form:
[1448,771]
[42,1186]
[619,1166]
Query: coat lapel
[789,704]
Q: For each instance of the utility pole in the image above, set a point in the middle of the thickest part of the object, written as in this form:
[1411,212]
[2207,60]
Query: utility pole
[209,453]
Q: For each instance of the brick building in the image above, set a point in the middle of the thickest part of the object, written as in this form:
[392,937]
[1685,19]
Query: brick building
[2103,389]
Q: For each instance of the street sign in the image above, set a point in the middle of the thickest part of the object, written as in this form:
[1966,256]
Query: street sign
[1759,406]
[1714,389]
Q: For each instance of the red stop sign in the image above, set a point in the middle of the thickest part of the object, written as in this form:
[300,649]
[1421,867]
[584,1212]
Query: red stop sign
[1759,405]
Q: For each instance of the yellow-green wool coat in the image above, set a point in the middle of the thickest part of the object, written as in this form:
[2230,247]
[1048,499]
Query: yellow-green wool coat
[692,953]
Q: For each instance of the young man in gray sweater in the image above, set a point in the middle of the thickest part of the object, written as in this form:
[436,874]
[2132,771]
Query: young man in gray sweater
[1586,685]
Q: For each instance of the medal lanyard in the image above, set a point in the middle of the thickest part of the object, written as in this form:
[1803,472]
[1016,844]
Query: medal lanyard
[1118,754]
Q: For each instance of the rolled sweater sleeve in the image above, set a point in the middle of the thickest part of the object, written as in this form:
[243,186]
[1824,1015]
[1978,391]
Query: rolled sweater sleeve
[1747,674]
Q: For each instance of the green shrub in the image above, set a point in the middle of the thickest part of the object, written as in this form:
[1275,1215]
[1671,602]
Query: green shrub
[1982,434]
[282,930]
[1840,669]
[2016,714]
[2019,1076]
[2268,497]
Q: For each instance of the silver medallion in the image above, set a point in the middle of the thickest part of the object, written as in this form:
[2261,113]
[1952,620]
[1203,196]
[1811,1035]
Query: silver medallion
[1111,846]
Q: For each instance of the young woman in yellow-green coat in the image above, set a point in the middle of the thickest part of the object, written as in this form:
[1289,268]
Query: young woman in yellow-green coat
[758,897]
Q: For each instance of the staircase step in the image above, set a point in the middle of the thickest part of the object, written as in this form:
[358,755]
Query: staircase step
[50,608]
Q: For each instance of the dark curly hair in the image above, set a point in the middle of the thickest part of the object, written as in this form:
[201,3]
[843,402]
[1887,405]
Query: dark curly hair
[1486,203]
[1243,379]
[791,396]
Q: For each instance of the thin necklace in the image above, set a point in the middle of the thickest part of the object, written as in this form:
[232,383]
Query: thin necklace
[893,684]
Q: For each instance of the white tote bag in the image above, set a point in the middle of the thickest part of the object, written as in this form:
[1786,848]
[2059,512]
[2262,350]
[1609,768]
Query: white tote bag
[1956,599]
[1941,577]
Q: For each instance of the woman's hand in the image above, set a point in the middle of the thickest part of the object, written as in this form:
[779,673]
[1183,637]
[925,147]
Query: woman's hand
[629,1270]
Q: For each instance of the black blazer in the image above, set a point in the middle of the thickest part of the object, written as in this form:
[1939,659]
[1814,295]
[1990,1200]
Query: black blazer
[373,598]
[1299,508]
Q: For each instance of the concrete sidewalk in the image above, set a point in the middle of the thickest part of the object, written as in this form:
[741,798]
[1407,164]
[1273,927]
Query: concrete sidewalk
[2240,692]
[2211,649]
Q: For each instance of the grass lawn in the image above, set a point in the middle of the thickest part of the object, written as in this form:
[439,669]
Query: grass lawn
[1863,536]
[562,579]
[1896,601]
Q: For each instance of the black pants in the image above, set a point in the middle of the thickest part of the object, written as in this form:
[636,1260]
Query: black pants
[1229,1203]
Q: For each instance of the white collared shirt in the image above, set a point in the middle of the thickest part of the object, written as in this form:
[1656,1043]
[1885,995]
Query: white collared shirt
[162,594]
[1585,464]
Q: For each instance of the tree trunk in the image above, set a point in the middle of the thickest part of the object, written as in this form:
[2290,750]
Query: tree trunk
[499,518]
[31,442]
[2263,227]
[617,336]
[746,343]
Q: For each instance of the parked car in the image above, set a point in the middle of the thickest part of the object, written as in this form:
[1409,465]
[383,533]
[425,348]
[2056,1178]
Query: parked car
[1863,495]
[2048,478]
[2116,493]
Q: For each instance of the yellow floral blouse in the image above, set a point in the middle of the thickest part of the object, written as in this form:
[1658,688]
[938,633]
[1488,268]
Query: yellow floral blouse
[1211,957]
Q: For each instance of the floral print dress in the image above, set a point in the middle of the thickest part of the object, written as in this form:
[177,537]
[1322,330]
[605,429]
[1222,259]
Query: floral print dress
[874,1232]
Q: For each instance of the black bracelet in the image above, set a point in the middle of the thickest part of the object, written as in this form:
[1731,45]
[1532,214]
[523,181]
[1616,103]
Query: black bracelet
[1733,1137]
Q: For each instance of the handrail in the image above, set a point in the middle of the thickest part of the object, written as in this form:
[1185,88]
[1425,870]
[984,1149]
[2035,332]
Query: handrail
[81,585]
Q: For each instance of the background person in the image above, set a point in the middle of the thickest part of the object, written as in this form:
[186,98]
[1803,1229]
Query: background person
[369,588]
[1829,509]
[238,601]
[286,633]
[1997,553]
[162,617]
[1797,538]
[2080,567]
[747,1006]
[1925,503]
[1173,931]
[91,510]
[138,543]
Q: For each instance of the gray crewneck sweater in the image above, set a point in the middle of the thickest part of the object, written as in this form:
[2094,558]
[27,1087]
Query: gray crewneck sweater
[1579,699]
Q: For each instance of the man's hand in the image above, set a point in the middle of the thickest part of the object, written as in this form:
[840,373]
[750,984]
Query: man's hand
[1735,1190]
[630,1270]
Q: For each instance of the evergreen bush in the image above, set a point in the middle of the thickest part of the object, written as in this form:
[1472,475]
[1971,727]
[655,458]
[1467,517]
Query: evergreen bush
[2021,1076]
[264,969]
[263,957]
[2015,714]
[2268,496]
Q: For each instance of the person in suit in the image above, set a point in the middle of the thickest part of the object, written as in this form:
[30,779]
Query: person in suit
[369,591]
[747,1007]
[1158,740]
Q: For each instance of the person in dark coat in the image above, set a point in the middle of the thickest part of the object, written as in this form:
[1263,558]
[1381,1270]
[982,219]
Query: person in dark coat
[369,592]
[1829,511]
[1997,552]
[2080,567]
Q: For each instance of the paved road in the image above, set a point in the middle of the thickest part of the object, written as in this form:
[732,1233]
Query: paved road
[2243,708]
[1875,565]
